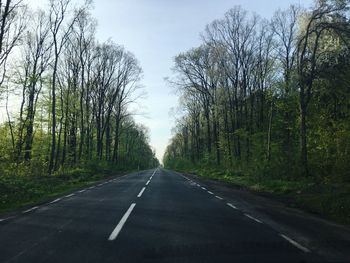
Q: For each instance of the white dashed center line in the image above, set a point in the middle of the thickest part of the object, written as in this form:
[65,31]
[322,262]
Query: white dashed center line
[148,182]
[141,192]
[154,172]
[204,188]
[218,197]
[210,193]
[121,223]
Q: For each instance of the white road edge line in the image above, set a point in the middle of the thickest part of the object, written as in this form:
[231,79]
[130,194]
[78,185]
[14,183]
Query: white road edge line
[69,195]
[82,191]
[7,218]
[232,206]
[253,218]
[30,209]
[294,243]
[121,223]
[56,200]
[218,197]
[141,192]
[210,193]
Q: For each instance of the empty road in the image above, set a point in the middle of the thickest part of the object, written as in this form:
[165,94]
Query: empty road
[151,216]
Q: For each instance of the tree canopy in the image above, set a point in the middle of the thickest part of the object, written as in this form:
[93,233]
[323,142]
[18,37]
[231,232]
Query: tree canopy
[74,93]
[268,97]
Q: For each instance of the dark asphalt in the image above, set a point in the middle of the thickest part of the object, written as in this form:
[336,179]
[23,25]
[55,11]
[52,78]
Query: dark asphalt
[174,220]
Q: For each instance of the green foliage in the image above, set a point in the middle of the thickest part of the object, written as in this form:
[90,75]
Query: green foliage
[69,122]
[259,132]
[279,122]
[25,188]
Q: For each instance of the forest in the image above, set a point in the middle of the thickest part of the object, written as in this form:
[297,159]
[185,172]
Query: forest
[66,102]
[266,103]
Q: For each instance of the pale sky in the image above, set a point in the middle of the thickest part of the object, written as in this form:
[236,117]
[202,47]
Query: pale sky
[156,31]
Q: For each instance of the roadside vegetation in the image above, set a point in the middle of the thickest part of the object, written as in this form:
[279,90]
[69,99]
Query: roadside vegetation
[265,104]
[66,103]
[21,190]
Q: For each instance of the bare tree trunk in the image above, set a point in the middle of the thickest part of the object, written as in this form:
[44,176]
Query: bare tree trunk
[269,133]
[207,117]
[228,135]
[303,133]
[108,142]
[9,121]
[216,137]
[53,115]
[116,137]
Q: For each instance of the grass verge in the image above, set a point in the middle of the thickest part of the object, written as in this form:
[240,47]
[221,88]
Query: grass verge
[20,190]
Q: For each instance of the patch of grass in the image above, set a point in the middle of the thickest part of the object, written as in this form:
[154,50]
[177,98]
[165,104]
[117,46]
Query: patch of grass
[330,200]
[20,190]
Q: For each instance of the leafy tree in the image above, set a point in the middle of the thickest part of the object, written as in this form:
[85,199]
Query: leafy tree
[271,96]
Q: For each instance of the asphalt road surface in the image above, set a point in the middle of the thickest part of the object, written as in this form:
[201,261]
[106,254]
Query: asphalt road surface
[150,216]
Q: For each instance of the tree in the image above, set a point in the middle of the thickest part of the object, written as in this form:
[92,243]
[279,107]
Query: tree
[275,91]
[322,20]
[12,25]
[37,52]
[74,94]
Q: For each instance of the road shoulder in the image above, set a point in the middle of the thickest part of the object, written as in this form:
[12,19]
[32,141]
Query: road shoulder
[326,238]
